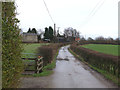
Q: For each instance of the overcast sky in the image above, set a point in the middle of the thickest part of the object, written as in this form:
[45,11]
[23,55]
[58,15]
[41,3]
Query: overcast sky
[90,17]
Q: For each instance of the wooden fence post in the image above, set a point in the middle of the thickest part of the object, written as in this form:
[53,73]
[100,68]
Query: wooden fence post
[39,64]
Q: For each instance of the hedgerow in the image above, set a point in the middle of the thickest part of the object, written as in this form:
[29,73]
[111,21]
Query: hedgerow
[11,46]
[102,61]
[48,52]
[99,42]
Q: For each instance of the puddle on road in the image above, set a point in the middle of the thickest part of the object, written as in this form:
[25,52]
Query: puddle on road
[66,59]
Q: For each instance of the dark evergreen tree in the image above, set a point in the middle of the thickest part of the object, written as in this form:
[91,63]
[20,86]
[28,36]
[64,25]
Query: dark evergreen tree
[29,30]
[46,34]
[50,33]
[34,31]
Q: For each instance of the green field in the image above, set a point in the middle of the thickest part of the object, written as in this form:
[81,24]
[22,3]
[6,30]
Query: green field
[31,49]
[103,48]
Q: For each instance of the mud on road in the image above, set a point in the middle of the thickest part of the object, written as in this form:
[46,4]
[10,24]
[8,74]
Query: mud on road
[69,73]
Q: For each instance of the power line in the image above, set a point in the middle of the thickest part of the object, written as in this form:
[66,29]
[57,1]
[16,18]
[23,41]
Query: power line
[48,11]
[93,12]
[95,7]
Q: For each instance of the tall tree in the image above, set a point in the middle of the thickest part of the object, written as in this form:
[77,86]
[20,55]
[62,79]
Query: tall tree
[34,31]
[46,34]
[70,32]
[29,30]
[50,33]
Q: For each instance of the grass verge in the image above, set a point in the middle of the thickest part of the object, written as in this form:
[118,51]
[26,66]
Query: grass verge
[107,75]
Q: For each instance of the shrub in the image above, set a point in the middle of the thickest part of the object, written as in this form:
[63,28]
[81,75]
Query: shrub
[49,51]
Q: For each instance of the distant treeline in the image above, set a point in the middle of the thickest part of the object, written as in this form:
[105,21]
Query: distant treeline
[100,40]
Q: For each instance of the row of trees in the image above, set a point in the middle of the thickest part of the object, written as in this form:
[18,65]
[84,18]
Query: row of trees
[100,40]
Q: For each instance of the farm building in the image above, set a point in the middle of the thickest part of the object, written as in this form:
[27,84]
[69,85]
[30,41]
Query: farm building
[29,37]
[61,39]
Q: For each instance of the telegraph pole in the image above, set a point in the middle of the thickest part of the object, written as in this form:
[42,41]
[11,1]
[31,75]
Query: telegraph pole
[54,29]
[54,32]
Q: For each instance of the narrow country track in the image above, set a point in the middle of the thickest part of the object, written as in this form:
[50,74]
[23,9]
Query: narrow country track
[69,73]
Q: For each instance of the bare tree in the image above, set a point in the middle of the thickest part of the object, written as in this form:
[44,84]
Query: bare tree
[70,32]
[40,34]
[100,38]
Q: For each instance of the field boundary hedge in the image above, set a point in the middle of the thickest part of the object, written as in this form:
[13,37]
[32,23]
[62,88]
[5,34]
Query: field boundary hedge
[49,51]
[99,42]
[101,61]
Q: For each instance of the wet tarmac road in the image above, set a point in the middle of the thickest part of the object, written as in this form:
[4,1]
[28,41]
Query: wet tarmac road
[69,73]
